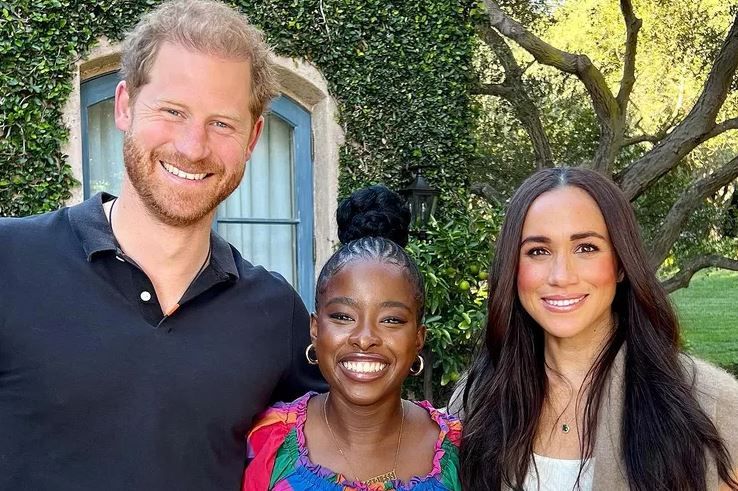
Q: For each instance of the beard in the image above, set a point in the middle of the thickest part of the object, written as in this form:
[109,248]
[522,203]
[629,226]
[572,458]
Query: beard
[170,204]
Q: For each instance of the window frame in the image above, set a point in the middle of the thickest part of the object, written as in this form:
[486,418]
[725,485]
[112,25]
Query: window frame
[299,119]
[92,91]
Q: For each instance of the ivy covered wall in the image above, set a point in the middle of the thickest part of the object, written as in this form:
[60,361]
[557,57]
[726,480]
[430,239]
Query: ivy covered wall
[398,70]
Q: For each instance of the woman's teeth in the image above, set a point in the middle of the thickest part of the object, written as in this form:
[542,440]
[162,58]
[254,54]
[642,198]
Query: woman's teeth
[363,366]
[563,303]
[180,173]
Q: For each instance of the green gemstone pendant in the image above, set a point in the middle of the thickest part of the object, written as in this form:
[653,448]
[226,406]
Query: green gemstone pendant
[565,428]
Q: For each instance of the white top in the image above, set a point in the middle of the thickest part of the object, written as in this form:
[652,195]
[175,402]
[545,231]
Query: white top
[558,475]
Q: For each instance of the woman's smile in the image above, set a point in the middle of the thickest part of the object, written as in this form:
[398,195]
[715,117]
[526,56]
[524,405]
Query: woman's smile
[367,338]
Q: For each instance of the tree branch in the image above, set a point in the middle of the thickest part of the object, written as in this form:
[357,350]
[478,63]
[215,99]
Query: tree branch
[683,277]
[493,39]
[606,108]
[498,90]
[632,140]
[632,26]
[694,128]
[728,124]
[513,90]
[487,192]
[543,52]
[687,202]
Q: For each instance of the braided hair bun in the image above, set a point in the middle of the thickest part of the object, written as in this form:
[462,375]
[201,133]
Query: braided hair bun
[374,211]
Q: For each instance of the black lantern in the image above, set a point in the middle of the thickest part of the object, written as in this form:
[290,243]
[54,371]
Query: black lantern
[421,199]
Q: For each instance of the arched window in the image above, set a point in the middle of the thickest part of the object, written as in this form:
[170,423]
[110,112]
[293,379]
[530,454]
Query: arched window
[269,218]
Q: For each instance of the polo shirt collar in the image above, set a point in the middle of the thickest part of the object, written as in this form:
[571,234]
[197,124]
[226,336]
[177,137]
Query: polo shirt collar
[89,222]
[221,256]
[91,226]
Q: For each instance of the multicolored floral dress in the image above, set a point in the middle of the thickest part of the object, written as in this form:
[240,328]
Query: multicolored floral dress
[280,460]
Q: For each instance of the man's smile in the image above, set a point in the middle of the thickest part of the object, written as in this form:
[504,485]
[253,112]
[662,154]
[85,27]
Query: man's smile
[180,173]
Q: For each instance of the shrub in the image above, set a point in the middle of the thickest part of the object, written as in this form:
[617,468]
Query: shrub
[454,259]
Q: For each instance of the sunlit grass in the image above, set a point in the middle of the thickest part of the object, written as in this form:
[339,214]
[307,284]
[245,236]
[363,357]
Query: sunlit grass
[708,311]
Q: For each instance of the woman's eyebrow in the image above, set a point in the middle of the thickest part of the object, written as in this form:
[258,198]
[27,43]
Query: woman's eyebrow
[584,235]
[542,239]
[536,238]
[394,303]
[342,301]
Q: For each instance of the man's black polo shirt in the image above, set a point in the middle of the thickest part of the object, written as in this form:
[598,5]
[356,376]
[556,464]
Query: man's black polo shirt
[98,391]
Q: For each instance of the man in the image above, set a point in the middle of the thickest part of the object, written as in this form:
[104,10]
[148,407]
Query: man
[135,344]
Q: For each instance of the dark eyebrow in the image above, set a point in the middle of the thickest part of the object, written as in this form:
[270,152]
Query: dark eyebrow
[536,238]
[584,235]
[393,303]
[342,301]
[542,239]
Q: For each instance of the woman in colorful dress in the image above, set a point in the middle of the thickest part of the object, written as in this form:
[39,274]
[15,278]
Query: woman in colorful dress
[367,334]
[581,383]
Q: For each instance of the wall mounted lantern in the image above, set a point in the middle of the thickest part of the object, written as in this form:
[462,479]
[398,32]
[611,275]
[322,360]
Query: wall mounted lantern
[422,200]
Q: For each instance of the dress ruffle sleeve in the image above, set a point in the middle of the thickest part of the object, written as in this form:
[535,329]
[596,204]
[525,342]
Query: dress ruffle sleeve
[263,442]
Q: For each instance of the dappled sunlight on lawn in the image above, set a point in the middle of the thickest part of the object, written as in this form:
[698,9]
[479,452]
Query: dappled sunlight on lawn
[708,311]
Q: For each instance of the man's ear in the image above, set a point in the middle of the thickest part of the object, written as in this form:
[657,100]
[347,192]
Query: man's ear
[254,137]
[123,110]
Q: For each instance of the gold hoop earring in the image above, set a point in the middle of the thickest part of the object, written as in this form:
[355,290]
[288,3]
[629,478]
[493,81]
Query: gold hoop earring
[312,361]
[417,371]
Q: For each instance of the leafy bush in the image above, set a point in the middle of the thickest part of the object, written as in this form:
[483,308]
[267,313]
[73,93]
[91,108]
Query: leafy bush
[455,260]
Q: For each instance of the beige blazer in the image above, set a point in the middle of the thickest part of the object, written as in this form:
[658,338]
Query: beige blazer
[717,393]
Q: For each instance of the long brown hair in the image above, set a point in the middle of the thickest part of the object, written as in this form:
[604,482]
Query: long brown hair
[665,434]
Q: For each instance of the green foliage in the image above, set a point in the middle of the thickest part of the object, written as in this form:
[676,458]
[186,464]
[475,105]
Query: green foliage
[455,259]
[677,44]
[39,43]
[400,72]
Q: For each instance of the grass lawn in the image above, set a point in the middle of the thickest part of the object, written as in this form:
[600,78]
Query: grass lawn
[708,311]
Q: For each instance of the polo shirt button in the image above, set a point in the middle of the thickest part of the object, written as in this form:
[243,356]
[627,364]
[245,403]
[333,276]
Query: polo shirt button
[145,296]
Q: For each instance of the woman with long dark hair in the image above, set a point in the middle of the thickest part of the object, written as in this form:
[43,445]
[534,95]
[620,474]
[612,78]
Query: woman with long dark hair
[580,383]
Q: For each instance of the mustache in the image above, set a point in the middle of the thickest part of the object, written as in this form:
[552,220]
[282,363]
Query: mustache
[181,162]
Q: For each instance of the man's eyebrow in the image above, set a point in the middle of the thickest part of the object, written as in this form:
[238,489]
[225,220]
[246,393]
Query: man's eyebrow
[342,301]
[169,102]
[233,117]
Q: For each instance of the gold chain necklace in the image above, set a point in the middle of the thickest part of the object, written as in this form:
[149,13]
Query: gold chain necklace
[387,476]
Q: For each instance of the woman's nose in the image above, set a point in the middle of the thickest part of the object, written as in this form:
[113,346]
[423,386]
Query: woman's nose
[364,336]
[563,271]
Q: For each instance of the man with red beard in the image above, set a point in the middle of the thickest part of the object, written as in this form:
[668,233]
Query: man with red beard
[135,344]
